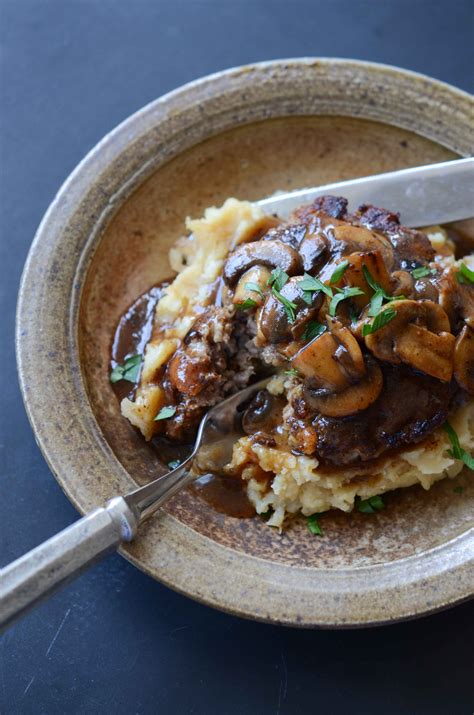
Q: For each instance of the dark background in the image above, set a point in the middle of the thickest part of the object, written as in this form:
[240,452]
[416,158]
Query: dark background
[115,641]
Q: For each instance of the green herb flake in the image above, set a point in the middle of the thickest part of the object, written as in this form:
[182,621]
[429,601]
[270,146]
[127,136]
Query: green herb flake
[129,371]
[314,525]
[266,515]
[313,330]
[313,284]
[292,372]
[371,281]
[371,505]
[278,278]
[342,294]
[174,464]
[465,275]
[246,305]
[254,287]
[380,320]
[458,490]
[458,452]
[376,303]
[422,272]
[339,272]
[288,305]
[165,413]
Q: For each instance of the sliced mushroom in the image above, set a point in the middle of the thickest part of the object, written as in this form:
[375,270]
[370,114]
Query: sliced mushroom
[333,360]
[456,298]
[273,254]
[273,322]
[464,359]
[404,284]
[418,336]
[353,399]
[313,249]
[258,275]
[354,275]
[291,234]
[346,239]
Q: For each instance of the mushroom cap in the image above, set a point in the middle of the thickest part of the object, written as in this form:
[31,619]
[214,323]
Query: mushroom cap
[353,399]
[256,274]
[464,359]
[418,336]
[273,254]
[273,321]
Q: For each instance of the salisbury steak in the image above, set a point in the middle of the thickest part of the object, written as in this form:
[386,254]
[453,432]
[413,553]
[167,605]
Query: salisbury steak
[411,405]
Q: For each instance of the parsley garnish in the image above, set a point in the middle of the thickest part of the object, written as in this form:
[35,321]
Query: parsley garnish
[313,284]
[128,371]
[165,413]
[254,287]
[422,272]
[339,272]
[278,278]
[376,303]
[288,305]
[248,303]
[342,294]
[313,525]
[293,372]
[370,505]
[384,317]
[312,330]
[458,452]
[174,464]
[465,275]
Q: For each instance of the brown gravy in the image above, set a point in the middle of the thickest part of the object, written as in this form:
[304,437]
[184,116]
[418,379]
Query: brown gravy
[225,494]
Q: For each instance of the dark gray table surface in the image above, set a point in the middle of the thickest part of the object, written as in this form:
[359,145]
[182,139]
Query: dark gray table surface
[115,641]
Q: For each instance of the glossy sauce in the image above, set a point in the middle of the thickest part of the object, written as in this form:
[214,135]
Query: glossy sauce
[223,493]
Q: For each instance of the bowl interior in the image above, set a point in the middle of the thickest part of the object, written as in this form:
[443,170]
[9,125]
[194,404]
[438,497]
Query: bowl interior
[251,162]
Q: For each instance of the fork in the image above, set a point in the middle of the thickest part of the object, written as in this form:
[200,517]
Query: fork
[41,571]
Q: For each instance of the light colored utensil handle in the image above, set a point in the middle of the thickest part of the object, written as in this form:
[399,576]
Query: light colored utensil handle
[41,571]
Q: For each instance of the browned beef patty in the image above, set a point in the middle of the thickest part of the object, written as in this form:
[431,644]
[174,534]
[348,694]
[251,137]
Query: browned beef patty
[409,408]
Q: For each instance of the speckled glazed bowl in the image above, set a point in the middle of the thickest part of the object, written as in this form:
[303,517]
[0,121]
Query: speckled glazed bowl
[246,132]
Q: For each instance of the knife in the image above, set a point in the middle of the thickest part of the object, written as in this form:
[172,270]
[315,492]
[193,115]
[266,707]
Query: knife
[423,196]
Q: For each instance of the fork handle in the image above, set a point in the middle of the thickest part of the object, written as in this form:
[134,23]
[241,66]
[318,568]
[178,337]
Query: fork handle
[41,571]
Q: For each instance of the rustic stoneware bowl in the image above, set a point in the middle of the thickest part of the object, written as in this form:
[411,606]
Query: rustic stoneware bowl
[246,133]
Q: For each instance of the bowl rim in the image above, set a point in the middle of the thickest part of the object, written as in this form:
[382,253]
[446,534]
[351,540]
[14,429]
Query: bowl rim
[364,595]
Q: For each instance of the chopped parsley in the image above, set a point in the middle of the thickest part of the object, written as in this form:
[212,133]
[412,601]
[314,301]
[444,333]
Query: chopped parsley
[465,275]
[314,525]
[311,285]
[254,287]
[292,372]
[458,452]
[246,305]
[342,294]
[379,293]
[165,413]
[376,303]
[313,330]
[288,305]
[128,371]
[174,464]
[381,319]
[278,278]
[422,272]
[370,505]
[339,272]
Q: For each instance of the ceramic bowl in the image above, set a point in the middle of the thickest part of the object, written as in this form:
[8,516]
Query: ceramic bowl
[245,132]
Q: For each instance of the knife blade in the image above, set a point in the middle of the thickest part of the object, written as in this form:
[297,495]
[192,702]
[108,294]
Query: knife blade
[423,196]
